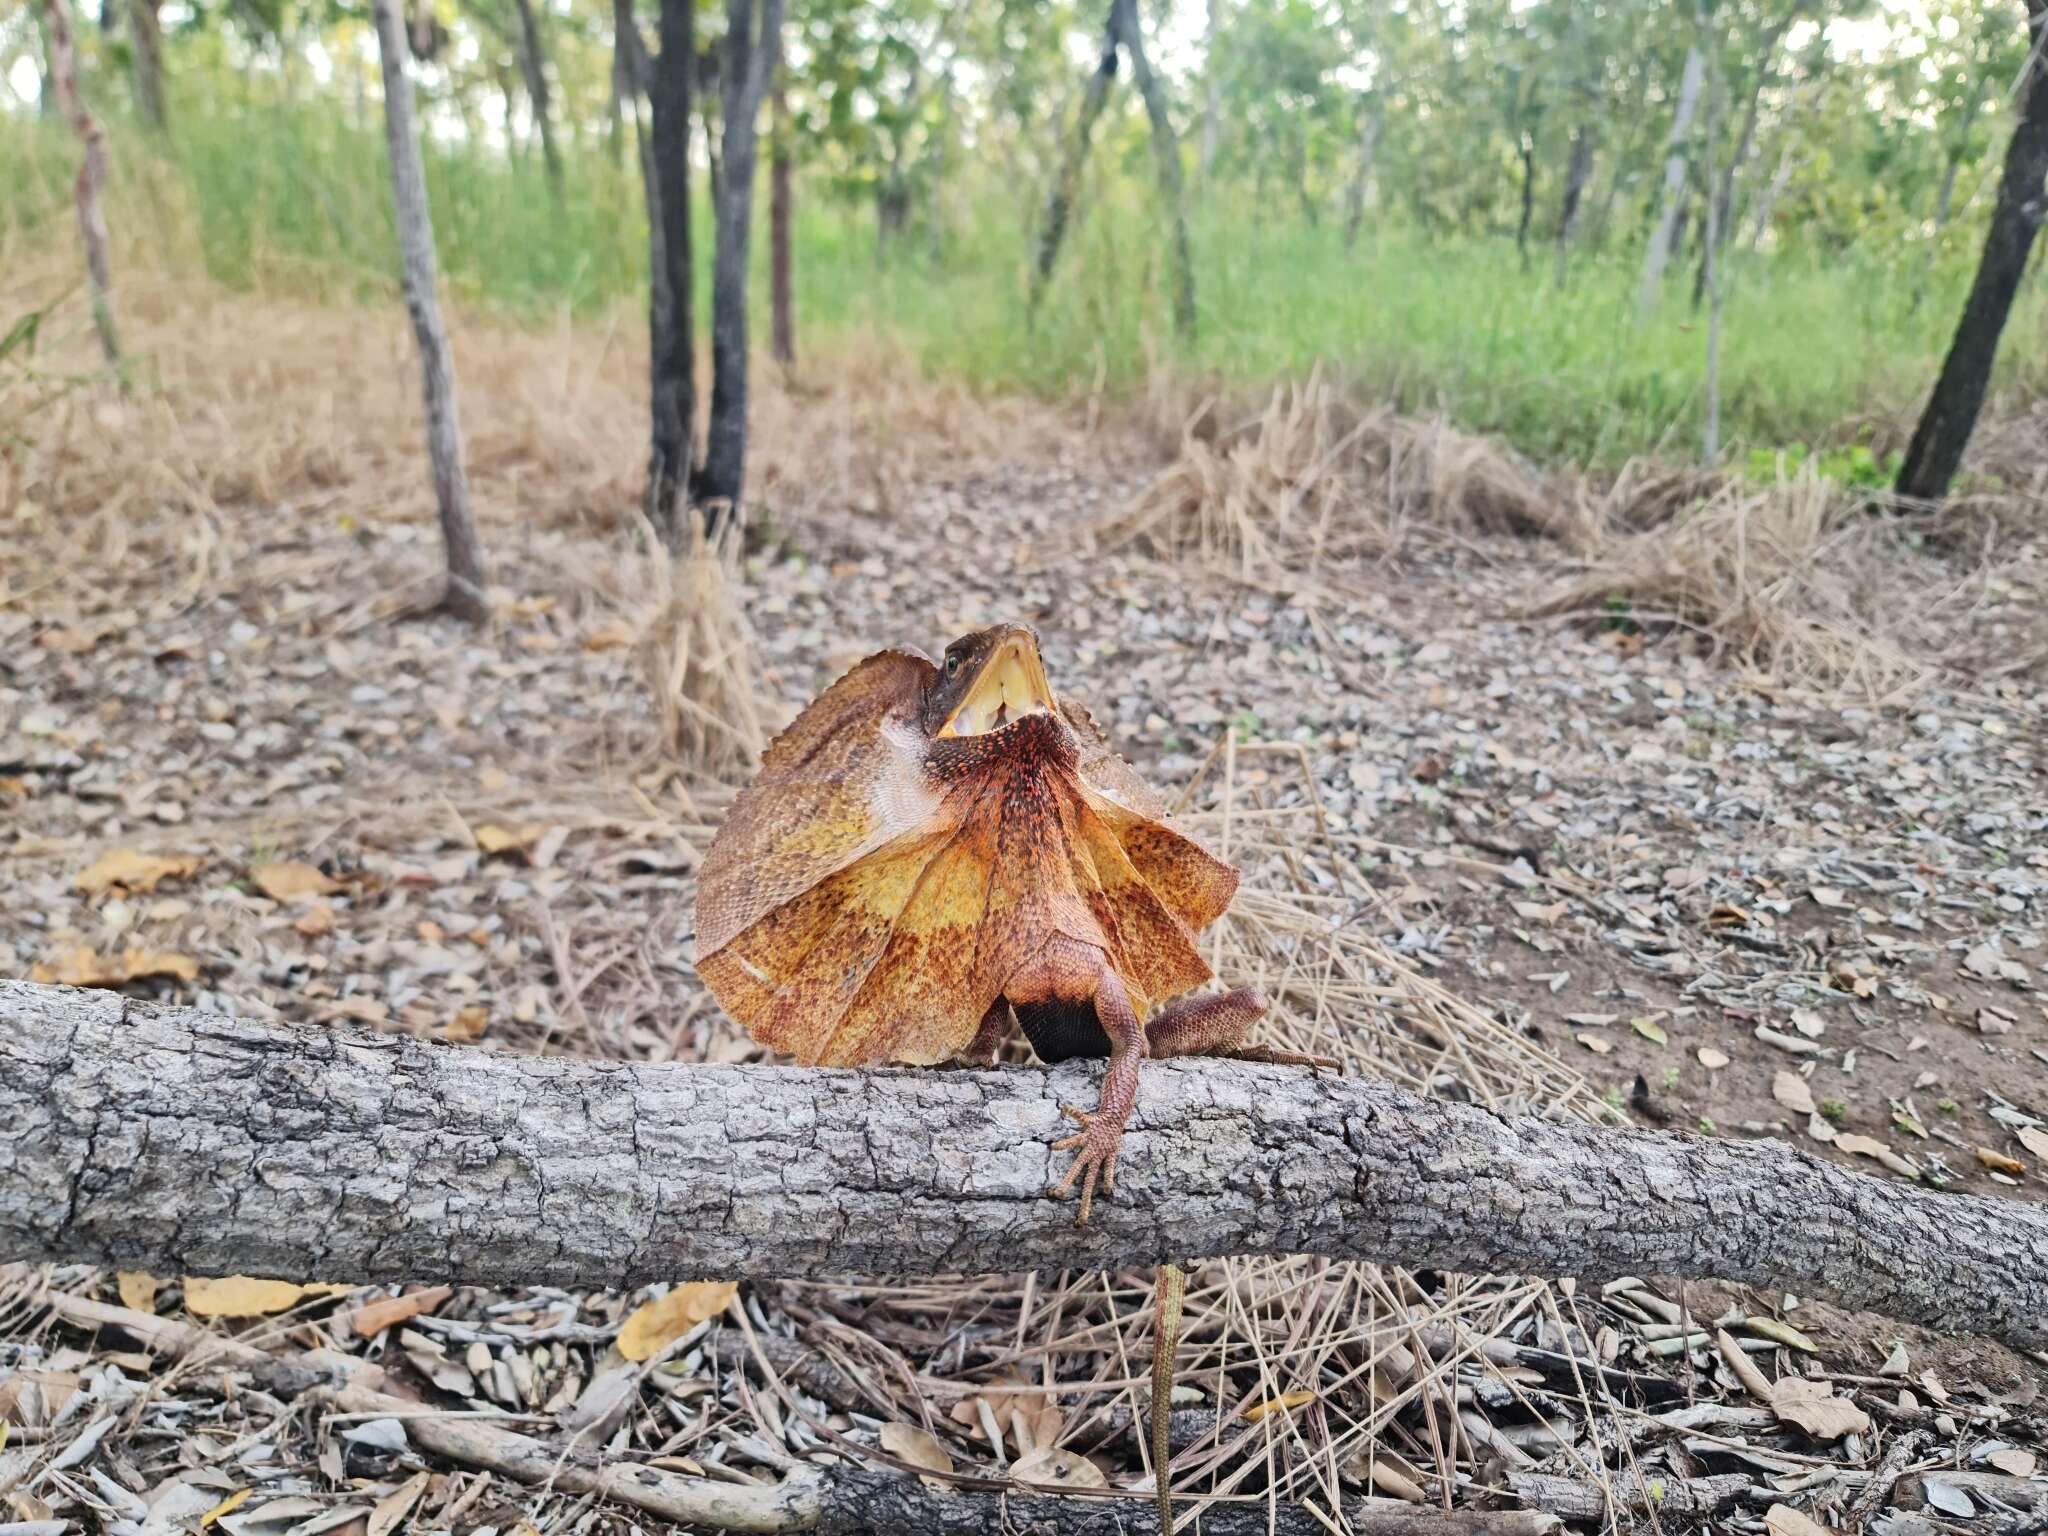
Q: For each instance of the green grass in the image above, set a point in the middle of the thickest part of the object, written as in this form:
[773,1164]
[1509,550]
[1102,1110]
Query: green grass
[264,196]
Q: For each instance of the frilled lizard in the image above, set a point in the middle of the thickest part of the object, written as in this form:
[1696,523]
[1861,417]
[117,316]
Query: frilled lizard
[934,848]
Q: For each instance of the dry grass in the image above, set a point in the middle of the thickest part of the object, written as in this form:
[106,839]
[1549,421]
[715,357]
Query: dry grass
[1305,485]
[1803,580]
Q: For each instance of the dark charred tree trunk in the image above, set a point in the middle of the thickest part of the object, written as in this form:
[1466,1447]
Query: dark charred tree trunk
[466,595]
[781,280]
[1936,451]
[1578,171]
[147,48]
[753,43]
[59,41]
[533,65]
[1528,153]
[1059,204]
[673,350]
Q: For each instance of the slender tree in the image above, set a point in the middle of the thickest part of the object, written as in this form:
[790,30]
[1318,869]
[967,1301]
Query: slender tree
[59,38]
[147,55]
[1122,31]
[1664,238]
[1936,451]
[465,594]
[781,283]
[672,359]
[753,42]
[1373,125]
[533,64]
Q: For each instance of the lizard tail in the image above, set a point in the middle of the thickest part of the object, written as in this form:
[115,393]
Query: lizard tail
[1171,1292]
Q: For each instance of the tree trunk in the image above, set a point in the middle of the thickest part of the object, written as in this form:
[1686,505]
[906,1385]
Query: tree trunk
[1361,175]
[781,285]
[1662,237]
[59,39]
[465,595]
[1722,215]
[147,47]
[1123,20]
[1936,451]
[1212,99]
[1059,203]
[671,296]
[330,1153]
[753,43]
[1578,171]
[1527,147]
[533,65]
[1710,266]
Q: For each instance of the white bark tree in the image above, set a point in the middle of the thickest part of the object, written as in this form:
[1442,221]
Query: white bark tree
[1659,253]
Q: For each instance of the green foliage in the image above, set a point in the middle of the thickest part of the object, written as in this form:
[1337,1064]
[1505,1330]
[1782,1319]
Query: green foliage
[1853,465]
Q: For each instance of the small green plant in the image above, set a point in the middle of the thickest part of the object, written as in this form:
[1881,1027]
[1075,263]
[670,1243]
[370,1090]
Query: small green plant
[1707,1126]
[1856,466]
[1834,1111]
[1948,1106]
[1613,1097]
[1671,1079]
[1245,725]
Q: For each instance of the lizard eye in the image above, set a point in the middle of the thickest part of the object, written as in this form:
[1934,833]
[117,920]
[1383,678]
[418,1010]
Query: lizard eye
[952,663]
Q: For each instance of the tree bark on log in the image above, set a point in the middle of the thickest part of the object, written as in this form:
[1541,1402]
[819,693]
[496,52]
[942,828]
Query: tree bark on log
[465,595]
[176,1141]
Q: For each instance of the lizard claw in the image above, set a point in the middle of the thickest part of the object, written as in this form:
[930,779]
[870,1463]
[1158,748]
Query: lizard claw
[1098,1143]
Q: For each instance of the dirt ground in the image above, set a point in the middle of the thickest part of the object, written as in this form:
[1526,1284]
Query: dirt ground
[233,772]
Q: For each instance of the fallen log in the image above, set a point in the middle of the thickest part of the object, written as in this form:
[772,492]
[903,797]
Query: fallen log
[181,1142]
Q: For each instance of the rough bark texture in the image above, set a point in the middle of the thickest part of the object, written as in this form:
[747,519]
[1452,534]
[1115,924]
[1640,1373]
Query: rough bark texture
[465,595]
[752,45]
[672,347]
[1936,452]
[183,1142]
[1664,238]
[59,39]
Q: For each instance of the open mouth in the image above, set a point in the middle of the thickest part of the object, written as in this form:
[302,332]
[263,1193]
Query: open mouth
[1011,687]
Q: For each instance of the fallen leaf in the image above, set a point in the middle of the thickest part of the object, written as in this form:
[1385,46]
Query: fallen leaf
[138,1291]
[1809,1023]
[1536,912]
[1286,1402]
[1784,1520]
[493,839]
[1813,1406]
[1998,1162]
[658,1324]
[292,880]
[1782,1333]
[1867,1146]
[1649,1029]
[85,968]
[226,1506]
[1027,1414]
[2034,1139]
[1599,1045]
[1791,1090]
[919,1447]
[136,873]
[1827,896]
[615,636]
[239,1296]
[2012,1461]
[1712,1059]
[468,1024]
[374,1317]
[392,1509]
[1948,1498]
[1058,1469]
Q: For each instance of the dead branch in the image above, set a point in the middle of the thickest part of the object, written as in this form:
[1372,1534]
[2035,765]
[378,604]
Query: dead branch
[177,1142]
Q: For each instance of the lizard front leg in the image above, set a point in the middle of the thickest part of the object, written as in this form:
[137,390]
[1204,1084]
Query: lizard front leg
[1095,1148]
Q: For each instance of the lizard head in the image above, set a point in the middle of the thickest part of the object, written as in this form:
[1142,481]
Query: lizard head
[988,682]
